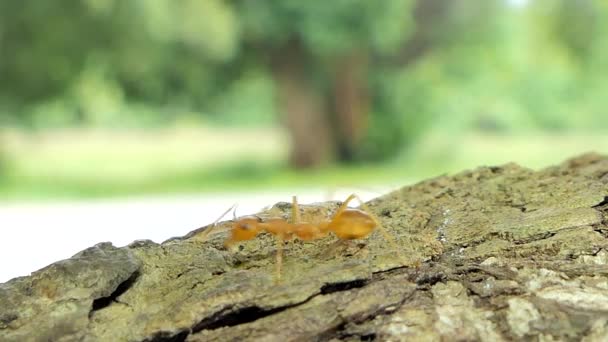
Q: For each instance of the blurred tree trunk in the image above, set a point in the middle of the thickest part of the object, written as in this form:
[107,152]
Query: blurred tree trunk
[330,126]
[428,14]
[309,112]
[305,110]
[351,102]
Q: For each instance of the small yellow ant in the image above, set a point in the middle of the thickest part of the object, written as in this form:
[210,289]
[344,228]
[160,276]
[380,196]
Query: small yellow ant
[347,224]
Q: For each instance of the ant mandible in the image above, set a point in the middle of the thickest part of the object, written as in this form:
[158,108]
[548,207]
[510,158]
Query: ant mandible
[347,224]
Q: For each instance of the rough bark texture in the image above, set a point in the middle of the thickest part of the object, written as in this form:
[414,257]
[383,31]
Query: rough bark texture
[504,253]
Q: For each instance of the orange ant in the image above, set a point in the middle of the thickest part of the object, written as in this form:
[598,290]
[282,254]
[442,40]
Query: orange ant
[347,224]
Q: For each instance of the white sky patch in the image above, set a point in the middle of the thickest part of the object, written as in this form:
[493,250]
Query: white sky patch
[518,3]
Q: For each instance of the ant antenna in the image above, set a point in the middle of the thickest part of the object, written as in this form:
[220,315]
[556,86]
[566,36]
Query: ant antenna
[233,211]
[224,214]
[210,229]
[388,236]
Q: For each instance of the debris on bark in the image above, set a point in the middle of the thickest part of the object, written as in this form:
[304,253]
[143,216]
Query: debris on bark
[496,253]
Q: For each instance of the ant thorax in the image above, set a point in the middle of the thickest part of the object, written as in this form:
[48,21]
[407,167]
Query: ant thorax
[276,226]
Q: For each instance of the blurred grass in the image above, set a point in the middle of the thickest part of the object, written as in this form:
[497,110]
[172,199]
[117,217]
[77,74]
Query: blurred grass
[82,164]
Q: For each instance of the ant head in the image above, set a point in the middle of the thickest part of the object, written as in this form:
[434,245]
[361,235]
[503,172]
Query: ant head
[247,223]
[245,228]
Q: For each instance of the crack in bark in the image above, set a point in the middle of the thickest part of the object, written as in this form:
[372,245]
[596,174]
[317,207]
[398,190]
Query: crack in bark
[232,316]
[342,330]
[602,208]
[164,336]
[103,302]
[344,286]
[604,202]
[229,316]
[505,236]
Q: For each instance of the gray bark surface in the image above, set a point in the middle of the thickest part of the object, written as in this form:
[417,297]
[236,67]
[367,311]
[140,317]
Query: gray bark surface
[493,254]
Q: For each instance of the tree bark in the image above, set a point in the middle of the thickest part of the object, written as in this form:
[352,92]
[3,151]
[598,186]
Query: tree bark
[492,254]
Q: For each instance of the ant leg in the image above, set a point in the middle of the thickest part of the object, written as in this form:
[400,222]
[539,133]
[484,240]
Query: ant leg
[385,233]
[295,210]
[344,205]
[214,224]
[279,258]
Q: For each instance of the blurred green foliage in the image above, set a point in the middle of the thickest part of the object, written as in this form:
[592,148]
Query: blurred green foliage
[410,68]
[468,64]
